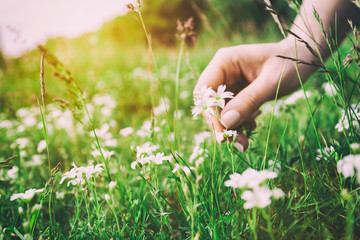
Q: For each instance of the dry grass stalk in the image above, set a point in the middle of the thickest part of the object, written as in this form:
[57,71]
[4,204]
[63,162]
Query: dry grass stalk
[42,82]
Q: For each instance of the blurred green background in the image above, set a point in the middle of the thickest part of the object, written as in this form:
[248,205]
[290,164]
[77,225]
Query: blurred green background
[110,54]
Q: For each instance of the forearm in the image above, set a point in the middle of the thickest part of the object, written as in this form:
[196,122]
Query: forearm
[334,16]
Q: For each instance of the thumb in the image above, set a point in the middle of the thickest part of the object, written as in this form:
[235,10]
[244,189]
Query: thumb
[240,109]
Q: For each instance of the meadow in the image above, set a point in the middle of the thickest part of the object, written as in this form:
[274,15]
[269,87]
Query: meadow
[98,140]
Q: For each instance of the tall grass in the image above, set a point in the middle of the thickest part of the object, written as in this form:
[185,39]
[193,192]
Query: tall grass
[111,192]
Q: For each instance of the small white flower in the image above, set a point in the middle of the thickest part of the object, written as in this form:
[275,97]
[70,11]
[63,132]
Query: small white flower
[41,146]
[12,173]
[60,195]
[348,164]
[107,197]
[187,170]
[221,95]
[203,105]
[126,131]
[296,96]
[112,185]
[326,153]
[27,196]
[259,197]
[20,210]
[201,137]
[220,136]
[277,193]
[5,124]
[249,178]
[36,207]
[22,142]
[329,89]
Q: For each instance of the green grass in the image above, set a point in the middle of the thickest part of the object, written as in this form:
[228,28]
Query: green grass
[153,202]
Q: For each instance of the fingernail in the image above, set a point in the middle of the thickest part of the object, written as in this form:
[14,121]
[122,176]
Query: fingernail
[239,146]
[230,119]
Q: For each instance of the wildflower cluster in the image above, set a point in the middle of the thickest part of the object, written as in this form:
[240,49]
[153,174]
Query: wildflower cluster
[257,194]
[80,175]
[145,155]
[350,117]
[206,100]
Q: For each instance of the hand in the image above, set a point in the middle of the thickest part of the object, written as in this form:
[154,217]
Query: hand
[252,73]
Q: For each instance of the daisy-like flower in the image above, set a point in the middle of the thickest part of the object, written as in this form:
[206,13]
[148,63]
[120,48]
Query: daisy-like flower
[329,89]
[27,195]
[159,158]
[107,154]
[145,154]
[249,178]
[201,137]
[348,164]
[187,170]
[126,131]
[220,136]
[79,175]
[112,185]
[204,92]
[107,197]
[221,95]
[203,105]
[326,153]
[41,146]
[354,115]
[259,197]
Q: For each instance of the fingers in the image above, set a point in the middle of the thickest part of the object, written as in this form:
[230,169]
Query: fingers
[244,106]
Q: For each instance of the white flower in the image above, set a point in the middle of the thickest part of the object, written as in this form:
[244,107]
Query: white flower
[12,173]
[220,96]
[126,131]
[275,167]
[60,195]
[203,105]
[5,124]
[36,160]
[160,157]
[198,153]
[277,193]
[204,92]
[348,164]
[296,96]
[187,170]
[111,143]
[107,197]
[329,89]
[36,207]
[107,154]
[201,137]
[112,185]
[146,148]
[41,146]
[351,113]
[145,130]
[22,142]
[27,196]
[326,153]
[249,178]
[259,197]
[76,174]
[220,136]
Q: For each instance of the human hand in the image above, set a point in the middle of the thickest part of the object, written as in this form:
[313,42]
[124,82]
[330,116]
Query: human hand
[252,73]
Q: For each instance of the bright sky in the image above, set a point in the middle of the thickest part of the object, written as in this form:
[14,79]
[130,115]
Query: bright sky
[26,23]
